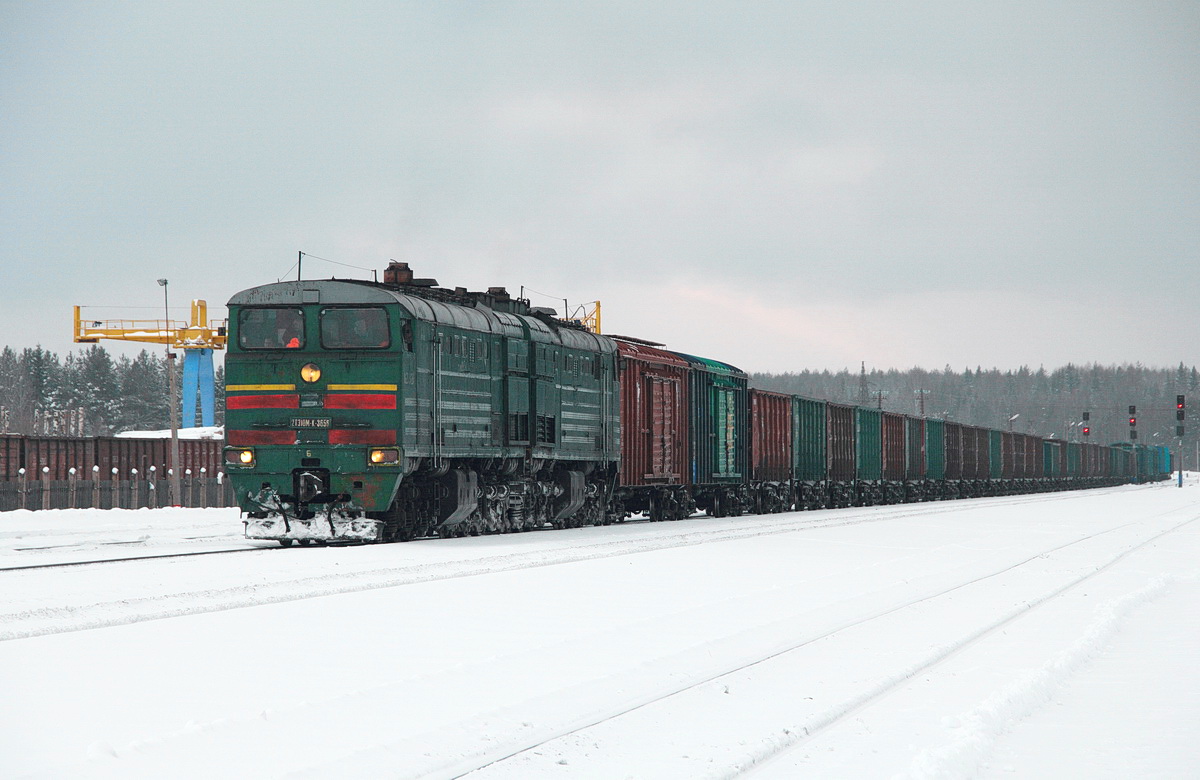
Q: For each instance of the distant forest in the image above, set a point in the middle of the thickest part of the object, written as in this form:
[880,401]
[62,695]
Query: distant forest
[91,393]
[87,393]
[1047,402]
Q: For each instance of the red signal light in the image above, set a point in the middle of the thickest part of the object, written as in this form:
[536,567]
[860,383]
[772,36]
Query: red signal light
[1132,422]
[1087,431]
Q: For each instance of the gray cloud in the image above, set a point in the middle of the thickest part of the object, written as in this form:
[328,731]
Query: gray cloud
[780,185]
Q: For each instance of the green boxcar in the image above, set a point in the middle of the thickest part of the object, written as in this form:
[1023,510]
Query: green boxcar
[868,424]
[995,454]
[718,421]
[808,439]
[1050,467]
[935,449]
[1074,459]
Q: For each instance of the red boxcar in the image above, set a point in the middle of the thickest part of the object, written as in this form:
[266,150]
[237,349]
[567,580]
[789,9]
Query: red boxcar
[770,436]
[970,453]
[1035,465]
[916,448]
[983,445]
[840,437]
[58,455]
[11,448]
[654,406]
[894,447]
[127,454]
[954,455]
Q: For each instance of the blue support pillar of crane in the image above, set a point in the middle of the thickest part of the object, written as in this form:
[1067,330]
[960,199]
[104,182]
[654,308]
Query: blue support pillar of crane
[198,379]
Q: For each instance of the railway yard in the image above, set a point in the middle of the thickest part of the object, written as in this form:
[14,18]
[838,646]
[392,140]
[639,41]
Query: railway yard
[1034,636]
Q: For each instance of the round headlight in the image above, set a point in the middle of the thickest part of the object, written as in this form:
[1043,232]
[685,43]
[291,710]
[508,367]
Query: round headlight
[310,373]
[246,456]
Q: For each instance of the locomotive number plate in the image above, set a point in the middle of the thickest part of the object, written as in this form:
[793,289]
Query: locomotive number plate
[307,422]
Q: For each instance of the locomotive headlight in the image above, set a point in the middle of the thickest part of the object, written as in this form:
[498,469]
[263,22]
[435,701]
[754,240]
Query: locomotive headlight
[240,457]
[383,457]
[310,373]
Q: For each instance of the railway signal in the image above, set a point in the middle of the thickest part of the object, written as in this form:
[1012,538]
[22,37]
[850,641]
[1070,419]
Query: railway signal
[1087,431]
[1180,414]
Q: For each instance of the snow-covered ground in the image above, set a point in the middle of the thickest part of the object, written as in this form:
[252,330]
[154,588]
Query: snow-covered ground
[1052,636]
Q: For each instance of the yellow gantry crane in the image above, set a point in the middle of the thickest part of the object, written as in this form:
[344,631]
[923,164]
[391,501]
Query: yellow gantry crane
[587,315]
[197,339]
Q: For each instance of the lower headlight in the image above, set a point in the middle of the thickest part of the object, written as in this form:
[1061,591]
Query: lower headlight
[240,457]
[383,457]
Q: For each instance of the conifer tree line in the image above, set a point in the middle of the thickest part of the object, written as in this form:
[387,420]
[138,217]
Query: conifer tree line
[91,393]
[87,393]
[1048,402]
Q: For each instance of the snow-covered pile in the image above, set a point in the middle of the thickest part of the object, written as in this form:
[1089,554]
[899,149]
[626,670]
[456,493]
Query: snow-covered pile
[210,432]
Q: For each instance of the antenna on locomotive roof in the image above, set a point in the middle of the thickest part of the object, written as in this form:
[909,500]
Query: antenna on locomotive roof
[299,262]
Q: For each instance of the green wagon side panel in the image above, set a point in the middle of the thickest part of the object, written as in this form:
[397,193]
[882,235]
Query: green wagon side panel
[718,421]
[935,449]
[995,454]
[1073,459]
[1048,464]
[868,425]
[724,415]
[808,439]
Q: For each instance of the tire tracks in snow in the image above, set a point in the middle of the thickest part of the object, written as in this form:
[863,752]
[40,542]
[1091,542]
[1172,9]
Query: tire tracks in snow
[790,736]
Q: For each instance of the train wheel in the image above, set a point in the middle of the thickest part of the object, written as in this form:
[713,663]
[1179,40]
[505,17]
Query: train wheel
[285,542]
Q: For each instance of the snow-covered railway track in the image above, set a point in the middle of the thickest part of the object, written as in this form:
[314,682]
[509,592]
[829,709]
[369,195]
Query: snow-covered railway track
[131,558]
[85,614]
[516,760]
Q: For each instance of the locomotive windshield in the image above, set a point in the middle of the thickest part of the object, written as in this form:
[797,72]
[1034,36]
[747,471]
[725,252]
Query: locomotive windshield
[271,329]
[365,328]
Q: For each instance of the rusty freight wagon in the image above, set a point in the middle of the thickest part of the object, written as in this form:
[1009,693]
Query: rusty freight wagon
[654,477]
[771,459]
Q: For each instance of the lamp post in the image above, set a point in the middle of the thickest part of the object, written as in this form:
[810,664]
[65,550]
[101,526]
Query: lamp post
[173,466]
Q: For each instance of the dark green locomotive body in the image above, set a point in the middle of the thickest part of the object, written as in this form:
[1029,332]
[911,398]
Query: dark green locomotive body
[365,411]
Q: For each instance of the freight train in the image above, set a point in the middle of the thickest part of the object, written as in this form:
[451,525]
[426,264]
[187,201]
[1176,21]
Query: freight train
[361,411]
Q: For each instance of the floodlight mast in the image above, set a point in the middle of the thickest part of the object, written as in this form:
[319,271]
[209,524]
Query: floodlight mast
[173,465]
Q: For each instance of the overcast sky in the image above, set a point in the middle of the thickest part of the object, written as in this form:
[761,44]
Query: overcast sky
[781,185]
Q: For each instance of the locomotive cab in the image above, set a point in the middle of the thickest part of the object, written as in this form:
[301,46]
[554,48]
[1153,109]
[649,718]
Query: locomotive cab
[314,382]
